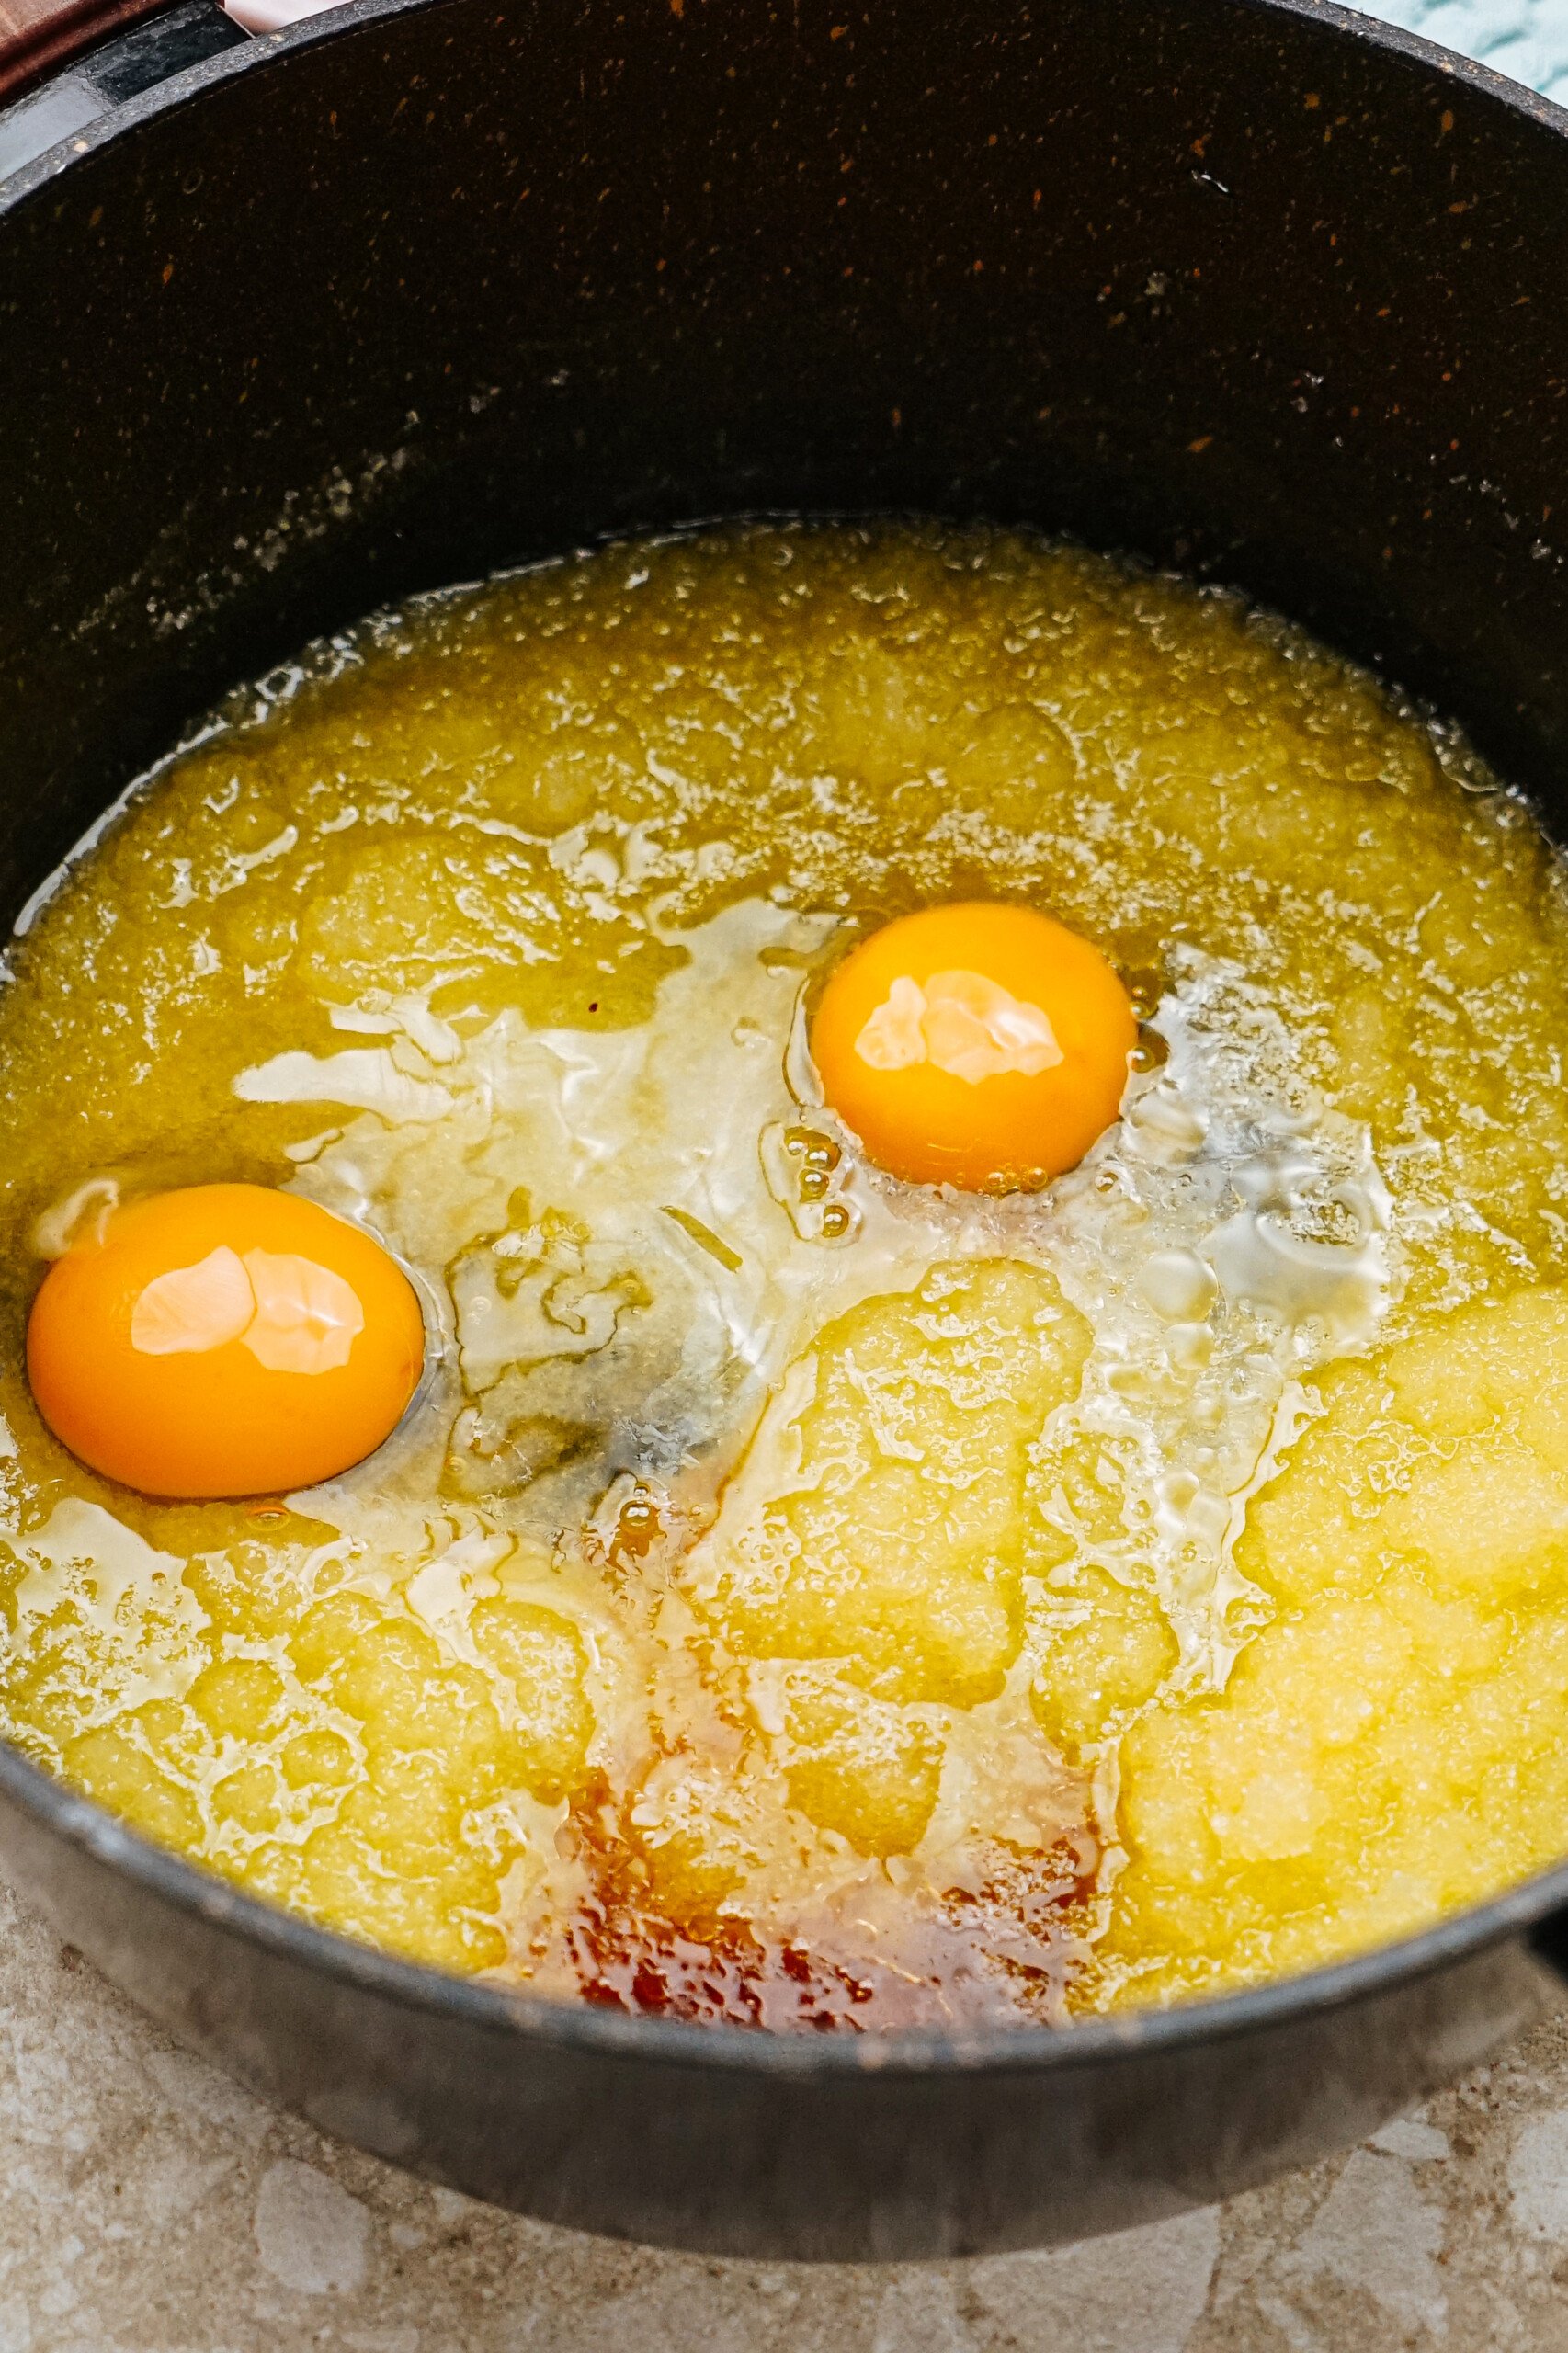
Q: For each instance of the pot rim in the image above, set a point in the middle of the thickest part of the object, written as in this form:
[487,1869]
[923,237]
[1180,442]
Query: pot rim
[350,17]
[725,2049]
[732,2048]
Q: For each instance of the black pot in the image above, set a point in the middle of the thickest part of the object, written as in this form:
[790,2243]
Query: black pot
[1259,289]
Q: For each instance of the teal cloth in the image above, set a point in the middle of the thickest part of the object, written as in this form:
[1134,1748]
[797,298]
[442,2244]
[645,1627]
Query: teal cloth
[1527,38]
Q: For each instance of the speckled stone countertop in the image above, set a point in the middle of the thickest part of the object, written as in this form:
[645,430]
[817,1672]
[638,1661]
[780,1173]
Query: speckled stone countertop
[147,2205]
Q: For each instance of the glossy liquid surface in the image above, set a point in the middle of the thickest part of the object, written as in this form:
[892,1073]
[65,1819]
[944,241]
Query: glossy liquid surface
[794,1595]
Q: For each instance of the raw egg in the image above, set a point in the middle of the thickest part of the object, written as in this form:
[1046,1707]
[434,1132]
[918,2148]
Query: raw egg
[975,1045]
[224,1341]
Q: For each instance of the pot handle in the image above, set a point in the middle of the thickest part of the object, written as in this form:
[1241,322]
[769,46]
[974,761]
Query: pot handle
[49,89]
[39,36]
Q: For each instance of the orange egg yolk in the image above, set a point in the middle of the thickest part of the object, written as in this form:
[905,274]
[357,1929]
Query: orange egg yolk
[974,1045]
[224,1340]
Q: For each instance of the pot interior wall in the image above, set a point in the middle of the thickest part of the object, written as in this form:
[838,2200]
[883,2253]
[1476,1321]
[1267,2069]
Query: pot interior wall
[442,286]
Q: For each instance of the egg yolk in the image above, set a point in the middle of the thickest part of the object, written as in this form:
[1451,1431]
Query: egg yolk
[224,1341]
[974,1045]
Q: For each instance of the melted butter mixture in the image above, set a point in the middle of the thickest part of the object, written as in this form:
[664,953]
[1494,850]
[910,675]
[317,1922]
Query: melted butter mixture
[795,1595]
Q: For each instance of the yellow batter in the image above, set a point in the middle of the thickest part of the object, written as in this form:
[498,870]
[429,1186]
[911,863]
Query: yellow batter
[793,1594]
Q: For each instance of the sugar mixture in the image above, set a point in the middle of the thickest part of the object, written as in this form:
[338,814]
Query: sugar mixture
[795,1595]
